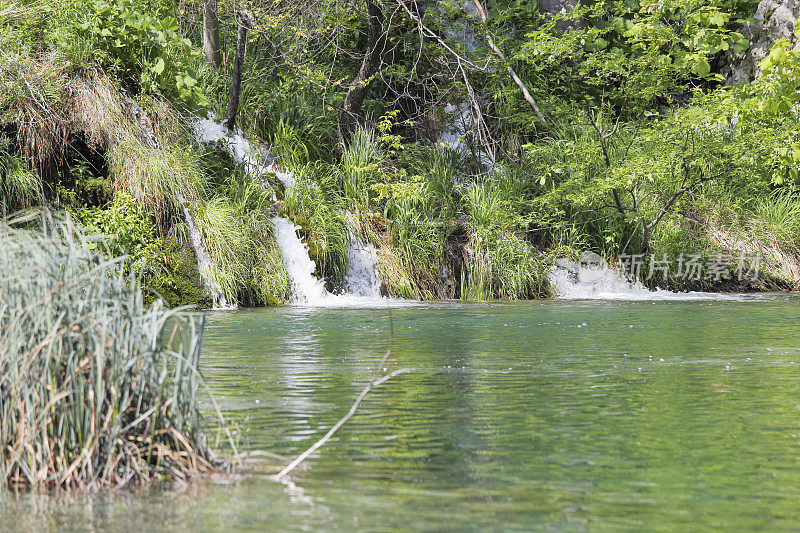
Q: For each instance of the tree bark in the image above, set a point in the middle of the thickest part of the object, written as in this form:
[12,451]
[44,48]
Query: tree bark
[376,40]
[236,81]
[211,47]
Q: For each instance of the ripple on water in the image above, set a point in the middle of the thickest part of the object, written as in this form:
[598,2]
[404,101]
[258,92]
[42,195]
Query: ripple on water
[650,415]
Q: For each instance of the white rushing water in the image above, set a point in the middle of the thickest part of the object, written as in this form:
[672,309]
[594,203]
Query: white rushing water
[460,120]
[204,261]
[592,279]
[307,289]
[457,124]
[362,276]
[362,284]
[257,161]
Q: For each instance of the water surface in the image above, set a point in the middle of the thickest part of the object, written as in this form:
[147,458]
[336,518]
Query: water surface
[553,415]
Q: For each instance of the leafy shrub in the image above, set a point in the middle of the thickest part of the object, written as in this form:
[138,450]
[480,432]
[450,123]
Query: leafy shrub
[128,231]
[139,47]
[162,266]
[629,53]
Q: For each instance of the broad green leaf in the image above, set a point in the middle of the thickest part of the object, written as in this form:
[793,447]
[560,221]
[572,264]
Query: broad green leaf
[701,67]
[158,68]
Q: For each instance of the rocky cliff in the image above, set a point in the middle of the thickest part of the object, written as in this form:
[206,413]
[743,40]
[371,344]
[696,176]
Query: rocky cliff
[773,20]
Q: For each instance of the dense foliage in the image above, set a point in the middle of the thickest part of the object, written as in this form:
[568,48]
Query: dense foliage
[493,137]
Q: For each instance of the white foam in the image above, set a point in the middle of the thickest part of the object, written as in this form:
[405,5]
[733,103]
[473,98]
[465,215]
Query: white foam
[363,285]
[307,289]
[362,277]
[599,282]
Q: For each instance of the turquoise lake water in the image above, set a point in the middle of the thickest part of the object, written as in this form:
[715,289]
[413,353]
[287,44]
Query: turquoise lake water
[552,415]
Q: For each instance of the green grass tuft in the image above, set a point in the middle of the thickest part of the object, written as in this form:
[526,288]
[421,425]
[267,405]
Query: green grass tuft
[19,187]
[96,389]
[312,203]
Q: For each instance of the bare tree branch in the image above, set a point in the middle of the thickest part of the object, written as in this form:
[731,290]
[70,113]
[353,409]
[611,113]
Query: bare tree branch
[525,93]
[374,382]
[376,41]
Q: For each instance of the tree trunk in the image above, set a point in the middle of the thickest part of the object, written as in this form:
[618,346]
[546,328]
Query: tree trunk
[376,40]
[236,81]
[211,47]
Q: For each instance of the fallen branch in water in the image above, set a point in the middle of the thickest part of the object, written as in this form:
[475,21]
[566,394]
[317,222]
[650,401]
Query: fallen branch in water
[374,382]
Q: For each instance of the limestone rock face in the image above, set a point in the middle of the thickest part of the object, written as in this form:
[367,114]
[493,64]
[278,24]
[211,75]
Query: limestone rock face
[553,7]
[774,19]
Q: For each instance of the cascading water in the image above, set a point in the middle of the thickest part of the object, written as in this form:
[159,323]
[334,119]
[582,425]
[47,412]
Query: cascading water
[595,282]
[362,277]
[362,285]
[461,120]
[204,260]
[457,125]
[256,161]
[592,279]
[306,287]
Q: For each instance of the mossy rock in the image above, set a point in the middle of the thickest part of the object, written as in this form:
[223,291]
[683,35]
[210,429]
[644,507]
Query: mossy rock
[182,284]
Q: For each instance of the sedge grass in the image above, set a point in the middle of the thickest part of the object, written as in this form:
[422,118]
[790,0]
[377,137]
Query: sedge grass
[500,264]
[312,204]
[778,220]
[360,168]
[96,389]
[19,187]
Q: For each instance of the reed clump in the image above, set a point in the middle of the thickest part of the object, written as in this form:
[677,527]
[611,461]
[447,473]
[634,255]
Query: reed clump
[96,389]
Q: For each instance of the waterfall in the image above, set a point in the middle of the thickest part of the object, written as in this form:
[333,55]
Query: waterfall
[203,260]
[592,279]
[140,117]
[307,289]
[573,281]
[257,161]
[460,120]
[362,277]
[362,284]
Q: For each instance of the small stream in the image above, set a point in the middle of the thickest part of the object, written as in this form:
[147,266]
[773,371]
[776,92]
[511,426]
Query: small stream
[204,261]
